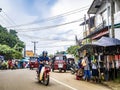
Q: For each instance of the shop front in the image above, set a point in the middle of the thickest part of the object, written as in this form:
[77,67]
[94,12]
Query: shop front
[106,51]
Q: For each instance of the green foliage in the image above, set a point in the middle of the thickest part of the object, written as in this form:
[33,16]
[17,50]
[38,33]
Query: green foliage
[51,55]
[73,50]
[9,38]
[61,52]
[13,32]
[10,45]
[9,53]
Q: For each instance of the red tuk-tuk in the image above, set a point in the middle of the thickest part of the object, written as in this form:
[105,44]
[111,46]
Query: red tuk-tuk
[59,63]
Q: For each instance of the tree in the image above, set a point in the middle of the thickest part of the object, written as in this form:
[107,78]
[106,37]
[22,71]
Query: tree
[61,52]
[9,52]
[13,32]
[10,38]
[10,45]
[73,50]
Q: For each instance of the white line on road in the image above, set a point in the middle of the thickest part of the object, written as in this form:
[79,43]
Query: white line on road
[63,84]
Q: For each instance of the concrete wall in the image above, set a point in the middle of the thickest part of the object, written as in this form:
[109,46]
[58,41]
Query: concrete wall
[104,13]
[117,6]
[117,33]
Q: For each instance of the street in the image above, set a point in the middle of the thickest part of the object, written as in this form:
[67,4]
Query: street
[25,79]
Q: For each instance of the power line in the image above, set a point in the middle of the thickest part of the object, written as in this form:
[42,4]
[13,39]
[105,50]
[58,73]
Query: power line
[47,27]
[7,21]
[10,19]
[2,22]
[53,17]
[53,46]
[45,39]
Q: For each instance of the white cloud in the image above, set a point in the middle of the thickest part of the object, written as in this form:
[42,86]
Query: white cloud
[18,14]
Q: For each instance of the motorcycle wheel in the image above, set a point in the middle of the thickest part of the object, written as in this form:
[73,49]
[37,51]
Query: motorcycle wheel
[46,81]
[72,72]
[39,79]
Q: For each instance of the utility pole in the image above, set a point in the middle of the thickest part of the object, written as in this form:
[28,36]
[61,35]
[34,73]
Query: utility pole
[34,42]
[25,51]
[108,14]
[112,19]
[85,27]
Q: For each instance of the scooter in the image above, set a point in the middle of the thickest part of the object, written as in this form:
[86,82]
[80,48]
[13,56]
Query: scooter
[43,76]
[73,68]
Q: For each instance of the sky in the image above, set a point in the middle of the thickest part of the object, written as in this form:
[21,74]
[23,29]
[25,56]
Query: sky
[36,14]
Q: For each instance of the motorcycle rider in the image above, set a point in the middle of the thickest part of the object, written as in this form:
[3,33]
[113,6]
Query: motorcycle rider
[41,60]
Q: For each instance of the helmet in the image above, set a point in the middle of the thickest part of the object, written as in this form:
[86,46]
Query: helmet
[44,52]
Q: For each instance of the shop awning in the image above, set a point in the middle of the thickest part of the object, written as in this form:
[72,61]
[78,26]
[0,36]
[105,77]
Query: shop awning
[87,46]
[107,41]
[102,42]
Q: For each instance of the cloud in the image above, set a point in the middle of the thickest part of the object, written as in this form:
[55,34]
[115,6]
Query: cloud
[25,11]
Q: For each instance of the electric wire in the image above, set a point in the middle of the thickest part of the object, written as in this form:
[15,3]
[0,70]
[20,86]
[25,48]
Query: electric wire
[53,17]
[47,27]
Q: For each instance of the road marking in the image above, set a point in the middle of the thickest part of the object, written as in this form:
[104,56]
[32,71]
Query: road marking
[63,84]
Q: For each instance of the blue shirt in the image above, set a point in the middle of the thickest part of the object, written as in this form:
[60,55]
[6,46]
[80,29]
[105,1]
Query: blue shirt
[42,58]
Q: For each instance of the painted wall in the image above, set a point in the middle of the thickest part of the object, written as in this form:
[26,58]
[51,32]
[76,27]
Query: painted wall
[117,33]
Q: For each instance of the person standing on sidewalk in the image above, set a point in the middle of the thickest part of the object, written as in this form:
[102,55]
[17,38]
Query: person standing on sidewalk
[86,65]
[95,72]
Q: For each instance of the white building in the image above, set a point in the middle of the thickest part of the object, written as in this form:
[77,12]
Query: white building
[101,9]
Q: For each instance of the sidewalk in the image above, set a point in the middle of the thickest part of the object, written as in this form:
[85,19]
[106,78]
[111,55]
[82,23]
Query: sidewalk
[112,84]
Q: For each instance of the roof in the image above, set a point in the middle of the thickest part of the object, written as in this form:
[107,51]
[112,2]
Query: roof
[95,6]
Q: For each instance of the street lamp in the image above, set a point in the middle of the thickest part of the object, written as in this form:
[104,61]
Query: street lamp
[0,9]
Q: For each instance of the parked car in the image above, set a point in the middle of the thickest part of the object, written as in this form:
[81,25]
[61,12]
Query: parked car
[33,62]
[59,63]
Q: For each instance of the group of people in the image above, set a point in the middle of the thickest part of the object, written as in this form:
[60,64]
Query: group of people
[10,64]
[84,69]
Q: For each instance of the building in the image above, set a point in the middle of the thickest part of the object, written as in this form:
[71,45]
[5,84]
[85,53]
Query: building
[103,19]
[99,22]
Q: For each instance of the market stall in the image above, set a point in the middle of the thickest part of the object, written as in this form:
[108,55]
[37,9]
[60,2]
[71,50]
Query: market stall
[106,51]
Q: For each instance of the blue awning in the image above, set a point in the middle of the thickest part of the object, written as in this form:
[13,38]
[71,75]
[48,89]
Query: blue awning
[107,41]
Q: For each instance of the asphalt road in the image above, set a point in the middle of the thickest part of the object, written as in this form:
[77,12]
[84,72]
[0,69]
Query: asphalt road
[25,79]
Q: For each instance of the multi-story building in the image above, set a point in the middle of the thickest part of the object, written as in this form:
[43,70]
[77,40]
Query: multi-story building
[100,23]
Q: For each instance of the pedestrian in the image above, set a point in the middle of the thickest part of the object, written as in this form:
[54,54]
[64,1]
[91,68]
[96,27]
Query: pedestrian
[80,62]
[86,65]
[95,73]
[79,73]
[24,64]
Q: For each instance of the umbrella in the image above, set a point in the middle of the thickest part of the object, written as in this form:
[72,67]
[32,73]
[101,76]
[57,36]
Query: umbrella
[107,41]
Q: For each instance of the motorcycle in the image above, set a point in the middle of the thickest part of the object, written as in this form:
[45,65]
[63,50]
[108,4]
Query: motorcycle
[44,75]
[73,68]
